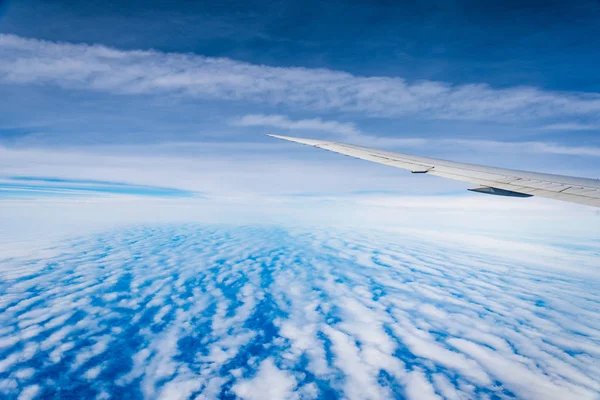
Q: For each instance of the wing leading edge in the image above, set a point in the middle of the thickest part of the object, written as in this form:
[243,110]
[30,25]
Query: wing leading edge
[489,180]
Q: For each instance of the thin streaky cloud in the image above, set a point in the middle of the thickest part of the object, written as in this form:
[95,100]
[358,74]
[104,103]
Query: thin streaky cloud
[349,131]
[525,147]
[283,122]
[571,126]
[39,186]
[104,69]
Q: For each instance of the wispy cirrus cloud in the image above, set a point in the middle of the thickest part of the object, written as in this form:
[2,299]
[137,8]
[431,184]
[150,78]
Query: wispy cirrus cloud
[284,122]
[99,68]
[521,147]
[27,186]
[571,126]
[351,132]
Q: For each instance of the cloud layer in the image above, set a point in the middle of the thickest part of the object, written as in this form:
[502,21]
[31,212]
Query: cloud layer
[182,311]
[22,186]
[103,69]
[350,132]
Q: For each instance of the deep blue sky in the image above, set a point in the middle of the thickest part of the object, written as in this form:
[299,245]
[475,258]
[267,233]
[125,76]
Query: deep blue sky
[549,44]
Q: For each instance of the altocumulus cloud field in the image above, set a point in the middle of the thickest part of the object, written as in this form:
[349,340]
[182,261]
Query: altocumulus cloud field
[197,311]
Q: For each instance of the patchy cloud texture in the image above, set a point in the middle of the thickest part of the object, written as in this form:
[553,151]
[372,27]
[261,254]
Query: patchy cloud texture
[181,311]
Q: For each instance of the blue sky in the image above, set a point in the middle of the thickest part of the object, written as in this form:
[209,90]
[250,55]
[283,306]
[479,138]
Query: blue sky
[180,94]
[546,44]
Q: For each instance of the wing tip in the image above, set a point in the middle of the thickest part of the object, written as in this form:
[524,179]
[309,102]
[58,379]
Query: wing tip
[310,142]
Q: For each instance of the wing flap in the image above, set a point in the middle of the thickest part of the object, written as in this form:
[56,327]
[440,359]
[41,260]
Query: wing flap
[498,192]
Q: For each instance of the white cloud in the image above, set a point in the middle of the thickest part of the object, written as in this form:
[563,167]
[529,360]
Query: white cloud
[273,312]
[283,122]
[523,147]
[96,349]
[419,388]
[250,173]
[518,376]
[350,132]
[562,149]
[8,362]
[93,372]
[98,68]
[422,345]
[361,376]
[269,382]
[183,387]
[446,388]
[30,392]
[24,373]
[571,126]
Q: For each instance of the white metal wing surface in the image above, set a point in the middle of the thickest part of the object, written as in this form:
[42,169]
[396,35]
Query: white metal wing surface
[490,180]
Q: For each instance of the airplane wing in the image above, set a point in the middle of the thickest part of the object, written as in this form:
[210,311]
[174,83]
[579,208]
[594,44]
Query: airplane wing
[490,180]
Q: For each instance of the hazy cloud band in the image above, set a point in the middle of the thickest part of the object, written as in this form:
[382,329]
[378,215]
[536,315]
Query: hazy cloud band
[103,69]
[350,132]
